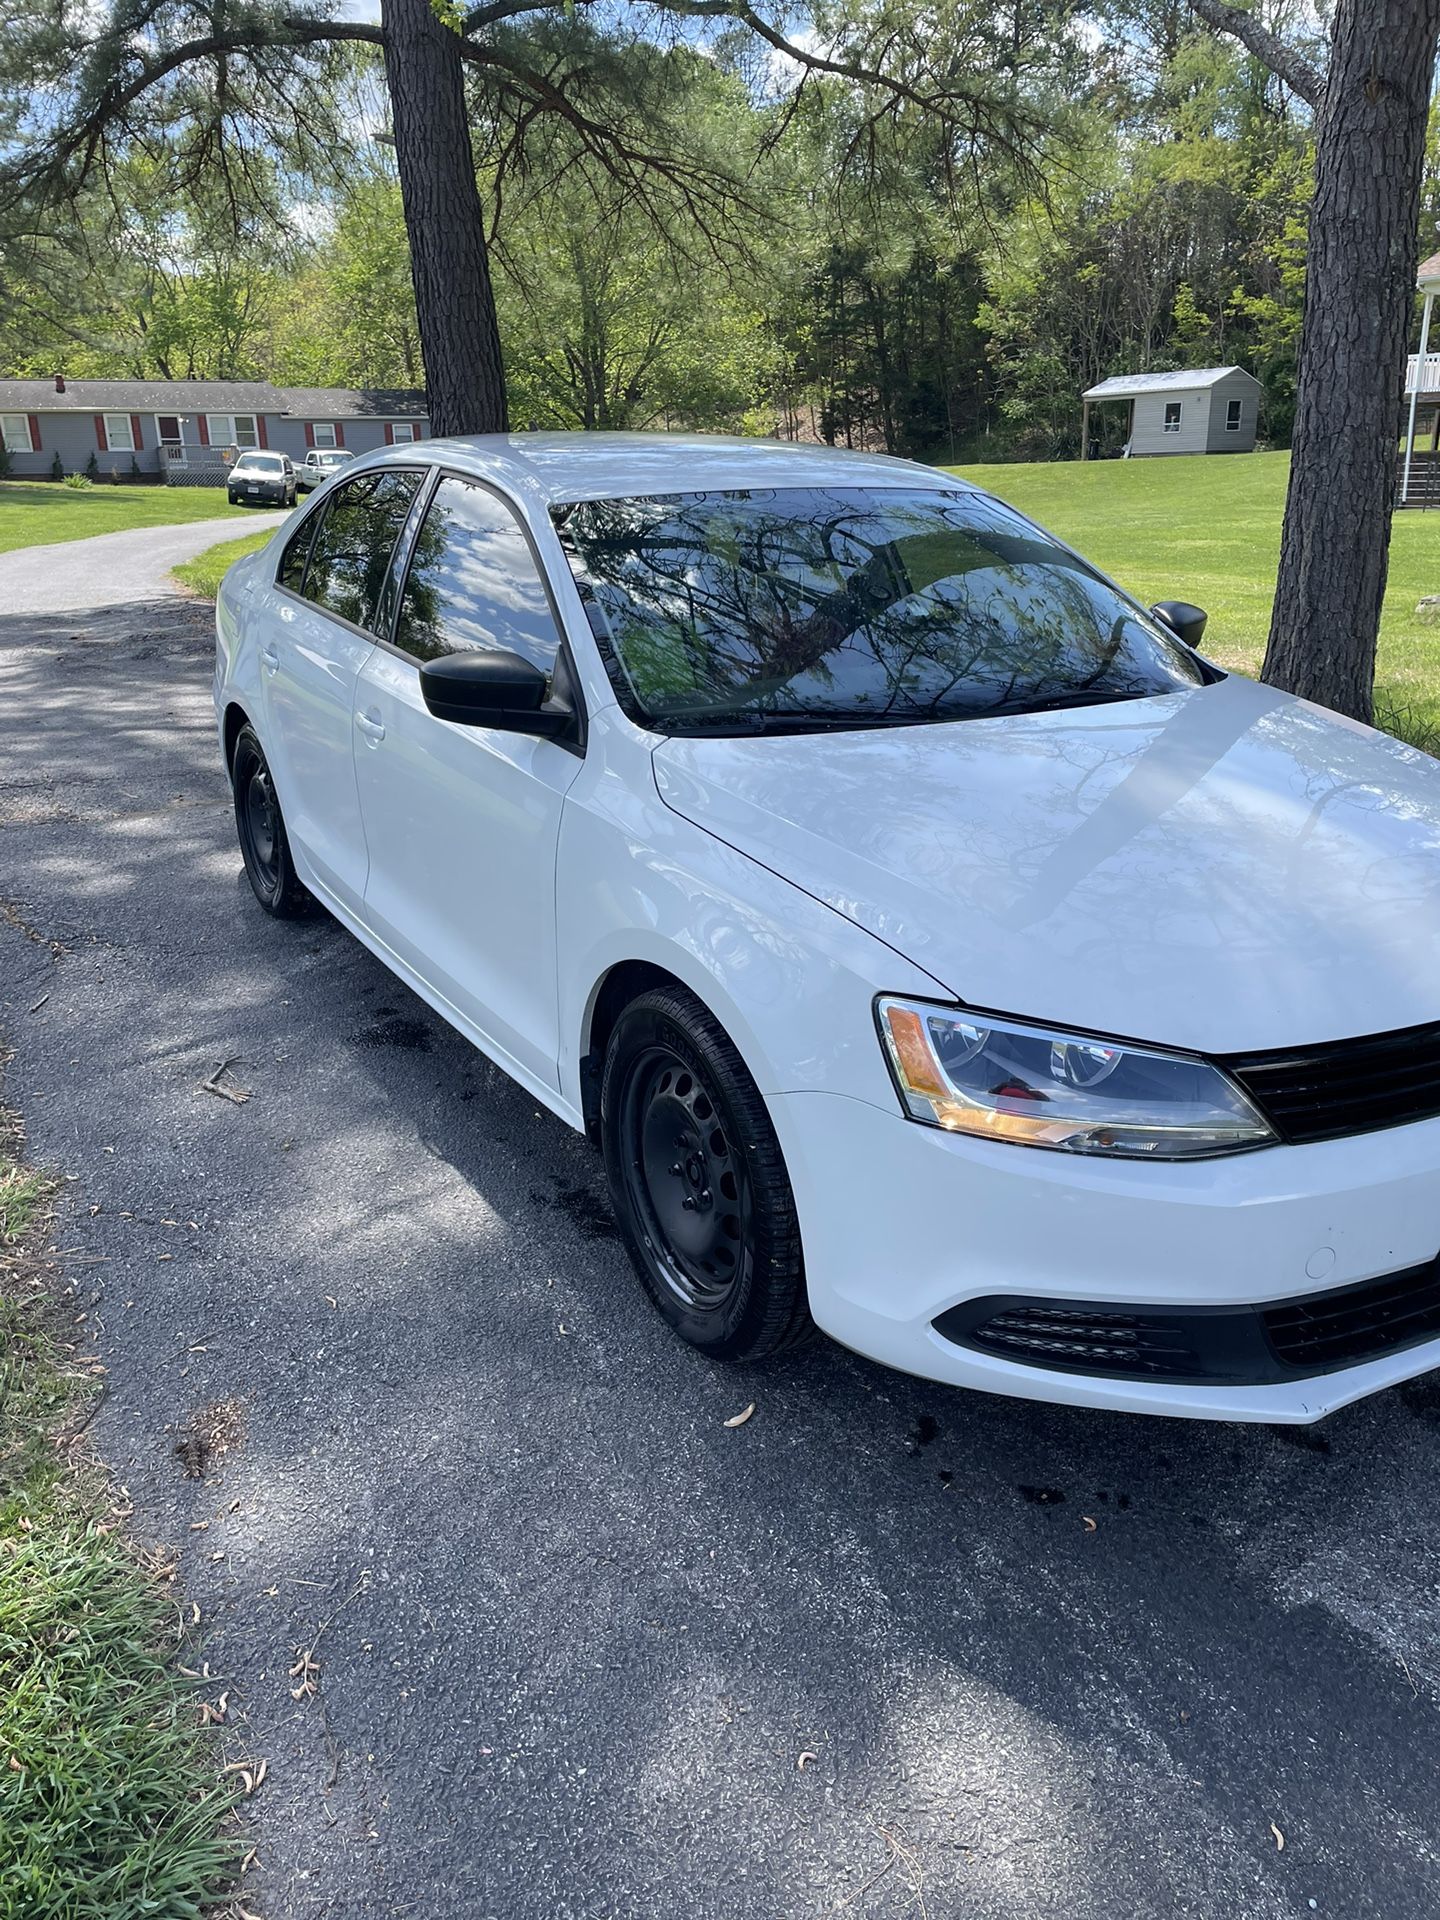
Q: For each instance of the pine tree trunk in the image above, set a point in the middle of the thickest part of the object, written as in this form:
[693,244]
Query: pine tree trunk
[449,260]
[1359,297]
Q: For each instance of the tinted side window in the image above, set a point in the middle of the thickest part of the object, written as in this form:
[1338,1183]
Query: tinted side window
[473,582]
[297,552]
[354,542]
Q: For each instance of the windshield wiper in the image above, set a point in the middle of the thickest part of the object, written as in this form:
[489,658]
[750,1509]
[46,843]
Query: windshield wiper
[748,720]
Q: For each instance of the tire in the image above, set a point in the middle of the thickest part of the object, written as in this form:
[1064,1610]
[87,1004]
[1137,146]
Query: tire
[712,1232]
[260,828]
[233,500]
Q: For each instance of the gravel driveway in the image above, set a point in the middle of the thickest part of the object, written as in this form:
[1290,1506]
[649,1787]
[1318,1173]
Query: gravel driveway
[113,569]
[884,1650]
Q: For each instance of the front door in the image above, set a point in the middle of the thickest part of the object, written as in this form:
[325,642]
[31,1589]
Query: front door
[171,438]
[331,581]
[462,823]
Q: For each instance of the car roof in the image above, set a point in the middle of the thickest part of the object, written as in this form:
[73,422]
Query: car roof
[551,467]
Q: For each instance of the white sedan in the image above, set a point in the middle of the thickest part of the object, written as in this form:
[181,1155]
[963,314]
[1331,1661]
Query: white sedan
[941,949]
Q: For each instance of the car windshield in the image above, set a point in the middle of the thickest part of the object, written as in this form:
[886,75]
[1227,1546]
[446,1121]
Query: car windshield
[331,459]
[788,608]
[259,463]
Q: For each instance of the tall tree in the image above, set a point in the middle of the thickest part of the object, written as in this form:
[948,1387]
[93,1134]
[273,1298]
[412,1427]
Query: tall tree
[1372,106]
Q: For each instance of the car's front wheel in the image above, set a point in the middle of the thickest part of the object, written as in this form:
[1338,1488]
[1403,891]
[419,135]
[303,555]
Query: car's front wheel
[260,826]
[698,1181]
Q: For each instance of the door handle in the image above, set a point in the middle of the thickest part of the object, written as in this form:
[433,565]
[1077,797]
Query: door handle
[271,658]
[371,725]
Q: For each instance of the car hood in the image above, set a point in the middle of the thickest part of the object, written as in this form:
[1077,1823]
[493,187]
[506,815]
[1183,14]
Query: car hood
[1224,868]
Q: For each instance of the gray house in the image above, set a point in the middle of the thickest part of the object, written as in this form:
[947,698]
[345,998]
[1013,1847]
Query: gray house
[1202,410]
[190,431]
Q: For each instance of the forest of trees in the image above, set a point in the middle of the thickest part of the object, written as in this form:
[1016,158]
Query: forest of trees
[804,267]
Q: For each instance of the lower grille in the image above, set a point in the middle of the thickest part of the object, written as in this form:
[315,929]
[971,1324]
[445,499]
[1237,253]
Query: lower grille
[1357,1323]
[1346,1086]
[1234,1346]
[1097,1339]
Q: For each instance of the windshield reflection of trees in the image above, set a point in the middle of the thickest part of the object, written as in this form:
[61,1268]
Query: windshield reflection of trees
[878,605]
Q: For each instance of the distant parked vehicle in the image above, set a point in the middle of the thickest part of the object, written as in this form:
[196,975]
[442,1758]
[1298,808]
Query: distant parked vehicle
[319,464]
[257,478]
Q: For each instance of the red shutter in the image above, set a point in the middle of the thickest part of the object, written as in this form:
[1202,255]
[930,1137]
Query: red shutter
[202,421]
[418,429]
[339,433]
[100,440]
[135,434]
[309,433]
[35,433]
[389,434]
[260,429]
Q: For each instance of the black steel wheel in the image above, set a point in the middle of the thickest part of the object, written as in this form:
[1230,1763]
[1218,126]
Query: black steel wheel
[260,826]
[698,1182]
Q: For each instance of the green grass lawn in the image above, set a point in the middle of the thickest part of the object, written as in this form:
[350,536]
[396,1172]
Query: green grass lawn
[1207,529]
[204,573]
[111,1807]
[34,515]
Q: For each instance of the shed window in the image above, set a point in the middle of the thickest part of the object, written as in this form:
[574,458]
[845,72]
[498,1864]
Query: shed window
[233,430]
[402,433]
[323,432]
[1232,416]
[15,432]
[1172,416]
[119,437]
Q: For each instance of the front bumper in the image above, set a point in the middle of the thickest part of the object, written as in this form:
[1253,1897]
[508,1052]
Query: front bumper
[903,1224]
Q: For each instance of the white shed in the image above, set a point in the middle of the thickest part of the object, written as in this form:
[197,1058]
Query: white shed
[1201,410]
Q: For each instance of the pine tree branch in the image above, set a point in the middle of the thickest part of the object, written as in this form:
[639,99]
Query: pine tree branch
[1287,63]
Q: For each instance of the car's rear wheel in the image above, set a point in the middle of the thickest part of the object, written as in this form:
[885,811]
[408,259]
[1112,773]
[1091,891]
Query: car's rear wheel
[698,1181]
[260,826]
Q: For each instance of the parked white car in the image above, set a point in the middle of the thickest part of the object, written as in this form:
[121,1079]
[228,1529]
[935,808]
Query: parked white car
[941,949]
[319,464]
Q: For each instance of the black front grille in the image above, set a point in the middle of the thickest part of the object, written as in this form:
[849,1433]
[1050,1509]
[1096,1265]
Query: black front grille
[1356,1323]
[1346,1086]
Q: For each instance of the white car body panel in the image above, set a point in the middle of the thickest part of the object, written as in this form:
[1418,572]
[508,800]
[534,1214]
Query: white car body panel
[1226,869]
[462,826]
[1219,870]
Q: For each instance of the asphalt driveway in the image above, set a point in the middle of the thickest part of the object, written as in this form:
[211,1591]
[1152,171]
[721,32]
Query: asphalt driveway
[581,1649]
[113,569]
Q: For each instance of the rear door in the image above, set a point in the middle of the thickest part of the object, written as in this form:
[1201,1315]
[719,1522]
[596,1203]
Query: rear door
[463,823]
[327,603]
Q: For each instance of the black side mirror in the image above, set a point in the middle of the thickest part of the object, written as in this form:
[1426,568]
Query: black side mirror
[1187,623]
[488,688]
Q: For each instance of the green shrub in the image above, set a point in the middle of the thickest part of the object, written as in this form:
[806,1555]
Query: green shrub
[92,465]
[78,482]
[6,461]
[57,468]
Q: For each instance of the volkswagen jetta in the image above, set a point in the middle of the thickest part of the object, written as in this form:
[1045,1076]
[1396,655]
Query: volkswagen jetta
[941,949]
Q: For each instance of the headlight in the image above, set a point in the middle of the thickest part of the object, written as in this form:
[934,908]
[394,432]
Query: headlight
[971,1074]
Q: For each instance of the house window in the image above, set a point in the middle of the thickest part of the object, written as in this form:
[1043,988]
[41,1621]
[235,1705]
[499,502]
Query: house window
[1172,416]
[402,433]
[233,430]
[15,432]
[323,432]
[119,437]
[1232,416]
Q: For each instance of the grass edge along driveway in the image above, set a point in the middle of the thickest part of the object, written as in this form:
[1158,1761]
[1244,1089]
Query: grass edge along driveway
[111,1805]
[41,513]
